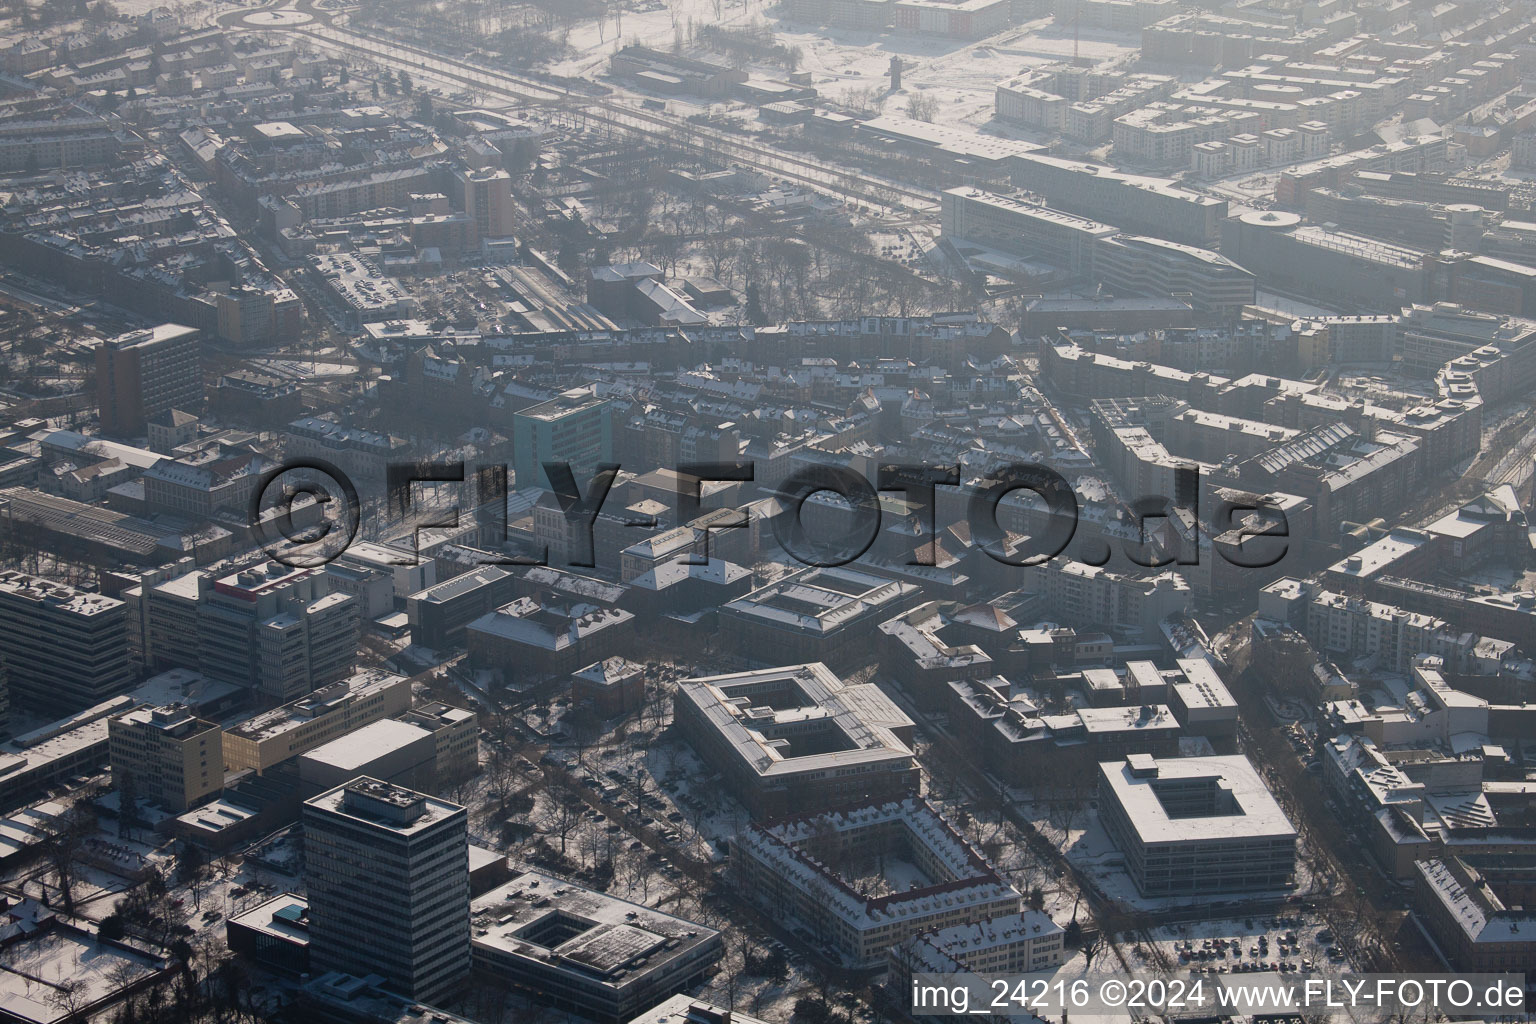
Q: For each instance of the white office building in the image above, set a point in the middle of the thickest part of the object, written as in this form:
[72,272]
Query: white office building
[1196,825]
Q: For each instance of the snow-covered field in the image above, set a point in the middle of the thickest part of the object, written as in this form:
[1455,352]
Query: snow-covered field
[959,75]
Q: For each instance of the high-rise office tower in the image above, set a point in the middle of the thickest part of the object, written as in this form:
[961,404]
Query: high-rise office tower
[388,876]
[278,629]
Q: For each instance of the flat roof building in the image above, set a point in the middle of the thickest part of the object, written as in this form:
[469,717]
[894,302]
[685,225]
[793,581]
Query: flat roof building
[1358,273]
[144,373]
[980,154]
[547,635]
[1153,206]
[455,739]
[387,870]
[1025,227]
[684,1009]
[1196,825]
[274,934]
[575,427]
[278,629]
[797,739]
[74,746]
[818,614]
[1019,741]
[64,649]
[439,613]
[289,730]
[1156,266]
[1201,701]
[1092,595]
[671,73]
[391,751]
[173,758]
[926,876]
[585,951]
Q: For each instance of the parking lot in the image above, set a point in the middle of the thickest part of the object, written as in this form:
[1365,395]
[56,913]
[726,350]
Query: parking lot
[1284,944]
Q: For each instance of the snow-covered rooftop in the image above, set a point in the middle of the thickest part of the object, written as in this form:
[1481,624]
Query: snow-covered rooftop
[1245,809]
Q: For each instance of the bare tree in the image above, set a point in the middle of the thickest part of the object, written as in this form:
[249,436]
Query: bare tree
[501,771]
[64,845]
[489,999]
[1096,944]
[922,107]
[1076,791]
[70,997]
[562,810]
[635,872]
[733,967]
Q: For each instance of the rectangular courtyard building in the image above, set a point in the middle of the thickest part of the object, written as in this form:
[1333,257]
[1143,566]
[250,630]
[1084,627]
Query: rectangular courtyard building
[863,879]
[796,739]
[585,951]
[1196,825]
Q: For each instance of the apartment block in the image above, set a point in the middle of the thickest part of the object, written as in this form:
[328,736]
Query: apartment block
[574,428]
[144,373]
[1469,921]
[800,871]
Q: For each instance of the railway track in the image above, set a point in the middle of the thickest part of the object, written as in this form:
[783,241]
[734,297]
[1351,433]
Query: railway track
[673,131]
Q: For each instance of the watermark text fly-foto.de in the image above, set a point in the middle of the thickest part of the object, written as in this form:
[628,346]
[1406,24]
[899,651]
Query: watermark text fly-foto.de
[1143,994]
[1259,523]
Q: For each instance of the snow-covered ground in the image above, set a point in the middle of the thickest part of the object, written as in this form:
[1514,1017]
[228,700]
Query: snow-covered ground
[61,970]
[958,75]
